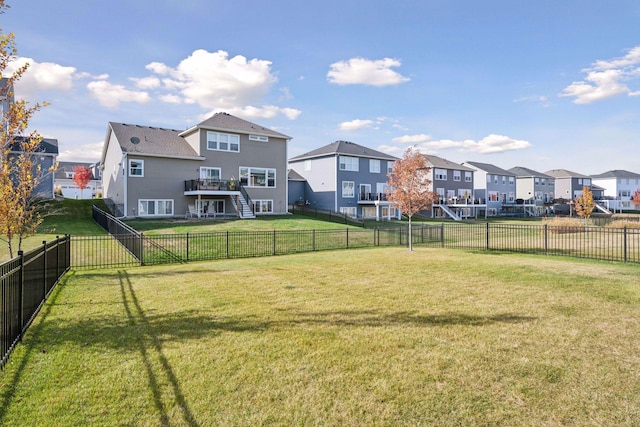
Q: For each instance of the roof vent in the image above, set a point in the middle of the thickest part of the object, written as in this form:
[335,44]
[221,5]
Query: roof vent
[134,140]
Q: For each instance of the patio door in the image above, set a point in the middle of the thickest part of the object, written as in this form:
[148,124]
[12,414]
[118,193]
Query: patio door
[365,191]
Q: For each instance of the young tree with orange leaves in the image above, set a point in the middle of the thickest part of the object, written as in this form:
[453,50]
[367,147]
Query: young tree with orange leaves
[584,204]
[81,177]
[20,171]
[409,186]
[636,198]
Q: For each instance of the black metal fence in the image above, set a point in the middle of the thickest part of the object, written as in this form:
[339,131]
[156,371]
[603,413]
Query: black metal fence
[610,244]
[26,282]
[128,237]
[326,215]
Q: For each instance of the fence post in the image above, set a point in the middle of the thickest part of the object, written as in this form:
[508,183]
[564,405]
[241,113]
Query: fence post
[487,236]
[44,269]
[21,295]
[274,242]
[546,239]
[442,234]
[347,238]
[227,243]
[625,243]
[313,240]
[376,237]
[187,255]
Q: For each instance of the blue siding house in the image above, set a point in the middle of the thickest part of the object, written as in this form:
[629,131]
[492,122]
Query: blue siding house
[345,177]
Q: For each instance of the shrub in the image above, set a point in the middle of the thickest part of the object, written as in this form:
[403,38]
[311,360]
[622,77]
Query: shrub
[562,225]
[622,223]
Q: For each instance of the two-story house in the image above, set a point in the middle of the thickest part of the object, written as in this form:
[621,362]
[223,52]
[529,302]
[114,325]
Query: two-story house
[222,166]
[453,186]
[44,163]
[495,187]
[619,187]
[346,177]
[67,187]
[568,184]
[534,188]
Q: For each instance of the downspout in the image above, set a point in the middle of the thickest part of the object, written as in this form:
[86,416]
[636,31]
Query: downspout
[125,186]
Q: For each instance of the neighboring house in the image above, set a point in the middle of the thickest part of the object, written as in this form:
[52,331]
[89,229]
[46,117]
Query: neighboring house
[45,160]
[297,188]
[65,185]
[619,187]
[568,184]
[222,166]
[534,188]
[346,177]
[495,187]
[453,184]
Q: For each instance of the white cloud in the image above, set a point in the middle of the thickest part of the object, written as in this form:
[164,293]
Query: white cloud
[490,144]
[366,72]
[213,80]
[606,78]
[82,153]
[146,83]
[250,112]
[111,95]
[355,125]
[41,76]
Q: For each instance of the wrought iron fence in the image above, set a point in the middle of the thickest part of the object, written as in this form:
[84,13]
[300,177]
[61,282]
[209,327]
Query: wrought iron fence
[26,281]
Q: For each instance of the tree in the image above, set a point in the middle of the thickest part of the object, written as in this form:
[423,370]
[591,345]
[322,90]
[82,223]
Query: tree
[82,176]
[636,198]
[584,204]
[20,171]
[409,187]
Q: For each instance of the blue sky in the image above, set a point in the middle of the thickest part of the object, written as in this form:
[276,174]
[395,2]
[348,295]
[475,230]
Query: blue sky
[544,84]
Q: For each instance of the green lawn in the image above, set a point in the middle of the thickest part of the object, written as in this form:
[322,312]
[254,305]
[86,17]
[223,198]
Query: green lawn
[363,337]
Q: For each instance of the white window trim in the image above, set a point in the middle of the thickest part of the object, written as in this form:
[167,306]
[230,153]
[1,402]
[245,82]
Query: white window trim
[141,168]
[214,137]
[259,138]
[155,201]
[374,166]
[457,176]
[440,174]
[349,211]
[249,173]
[259,203]
[351,164]
[468,177]
[353,190]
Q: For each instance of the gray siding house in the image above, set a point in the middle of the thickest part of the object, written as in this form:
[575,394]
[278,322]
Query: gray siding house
[495,187]
[453,184]
[348,178]
[533,187]
[222,166]
[568,184]
[43,164]
[619,187]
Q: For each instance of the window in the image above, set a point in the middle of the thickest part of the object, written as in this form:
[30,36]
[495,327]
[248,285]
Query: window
[258,177]
[488,179]
[493,196]
[155,207]
[209,207]
[495,179]
[537,181]
[504,180]
[223,142]
[136,167]
[263,206]
[349,211]
[307,165]
[212,174]
[389,167]
[511,180]
[348,189]
[543,181]
[468,176]
[70,174]
[388,211]
[258,138]
[586,182]
[374,166]
[457,176]
[624,193]
[348,163]
[512,196]
[440,174]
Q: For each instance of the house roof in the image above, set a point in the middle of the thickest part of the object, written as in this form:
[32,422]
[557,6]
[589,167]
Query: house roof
[564,173]
[618,173]
[523,172]
[229,123]
[294,176]
[491,169]
[151,140]
[64,167]
[344,148]
[46,146]
[439,162]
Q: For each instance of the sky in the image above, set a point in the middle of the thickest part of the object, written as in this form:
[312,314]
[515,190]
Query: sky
[543,84]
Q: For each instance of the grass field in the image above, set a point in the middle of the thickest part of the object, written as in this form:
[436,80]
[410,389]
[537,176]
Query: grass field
[364,337]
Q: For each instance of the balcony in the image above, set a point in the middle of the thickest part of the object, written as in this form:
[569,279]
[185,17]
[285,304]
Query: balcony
[371,198]
[193,186]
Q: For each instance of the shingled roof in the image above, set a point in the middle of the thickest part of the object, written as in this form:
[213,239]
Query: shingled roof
[151,140]
[523,172]
[491,169]
[618,173]
[564,173]
[439,162]
[229,123]
[345,148]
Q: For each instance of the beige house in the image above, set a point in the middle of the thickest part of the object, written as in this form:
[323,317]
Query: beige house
[223,166]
